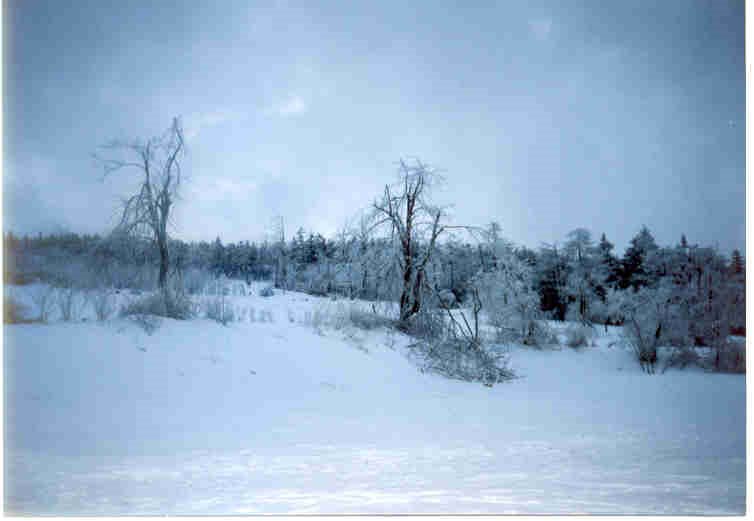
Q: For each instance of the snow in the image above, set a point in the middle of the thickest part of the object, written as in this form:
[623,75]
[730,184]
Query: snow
[290,415]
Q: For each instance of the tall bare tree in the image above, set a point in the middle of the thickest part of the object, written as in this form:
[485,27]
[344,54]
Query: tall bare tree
[157,162]
[416,224]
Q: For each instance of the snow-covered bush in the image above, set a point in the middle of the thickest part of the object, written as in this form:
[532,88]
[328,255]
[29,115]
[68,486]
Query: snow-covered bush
[366,320]
[682,356]
[447,298]
[162,304]
[730,357]
[646,315]
[70,303]
[103,302]
[578,335]
[428,324]
[43,297]
[459,360]
[598,312]
[195,281]
[149,323]
[357,317]
[315,319]
[219,310]
[511,303]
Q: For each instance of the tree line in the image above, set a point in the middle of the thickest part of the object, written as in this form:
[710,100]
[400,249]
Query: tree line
[403,249]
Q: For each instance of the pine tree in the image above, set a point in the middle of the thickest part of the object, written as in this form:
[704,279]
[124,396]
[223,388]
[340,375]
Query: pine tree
[608,267]
[736,262]
[635,269]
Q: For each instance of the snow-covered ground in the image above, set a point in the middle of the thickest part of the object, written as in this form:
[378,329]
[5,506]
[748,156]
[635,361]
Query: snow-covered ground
[287,415]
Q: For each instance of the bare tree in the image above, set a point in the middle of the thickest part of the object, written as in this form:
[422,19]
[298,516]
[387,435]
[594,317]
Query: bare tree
[416,224]
[158,163]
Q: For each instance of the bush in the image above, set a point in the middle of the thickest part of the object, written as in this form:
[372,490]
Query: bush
[267,291]
[355,316]
[315,319]
[647,317]
[162,304]
[43,298]
[103,302]
[578,336]
[195,281]
[428,324]
[219,310]
[70,303]
[459,360]
[682,356]
[533,333]
[730,358]
[149,323]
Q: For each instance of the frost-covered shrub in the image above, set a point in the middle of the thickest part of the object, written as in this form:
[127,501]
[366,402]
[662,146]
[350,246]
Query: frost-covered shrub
[315,319]
[149,323]
[510,302]
[681,357]
[578,335]
[646,315]
[267,291]
[103,303]
[730,357]
[599,312]
[428,324]
[70,303]
[195,281]
[43,298]
[532,333]
[219,310]
[459,360]
[162,304]
[447,298]
[357,317]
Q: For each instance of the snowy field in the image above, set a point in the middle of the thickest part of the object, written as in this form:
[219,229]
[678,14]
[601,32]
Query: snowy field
[283,414]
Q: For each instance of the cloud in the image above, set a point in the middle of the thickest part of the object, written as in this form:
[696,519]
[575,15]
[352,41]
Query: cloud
[541,28]
[195,123]
[293,106]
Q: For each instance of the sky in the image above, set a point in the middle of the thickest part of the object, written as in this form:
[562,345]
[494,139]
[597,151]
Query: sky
[544,116]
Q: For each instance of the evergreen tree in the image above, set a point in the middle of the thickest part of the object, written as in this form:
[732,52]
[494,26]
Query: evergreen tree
[608,268]
[636,271]
[217,262]
[736,262]
[551,281]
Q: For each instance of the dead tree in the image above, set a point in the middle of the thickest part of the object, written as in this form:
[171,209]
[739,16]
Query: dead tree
[157,162]
[416,225]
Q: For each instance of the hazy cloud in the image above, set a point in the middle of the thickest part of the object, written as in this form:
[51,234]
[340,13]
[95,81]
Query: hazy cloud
[195,123]
[293,106]
[541,28]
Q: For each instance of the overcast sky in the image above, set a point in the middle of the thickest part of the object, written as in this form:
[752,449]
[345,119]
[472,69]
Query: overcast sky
[544,116]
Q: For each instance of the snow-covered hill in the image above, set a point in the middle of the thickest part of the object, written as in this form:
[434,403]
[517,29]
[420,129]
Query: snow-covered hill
[285,414]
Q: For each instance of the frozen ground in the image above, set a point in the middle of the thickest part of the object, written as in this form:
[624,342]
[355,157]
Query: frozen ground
[278,416]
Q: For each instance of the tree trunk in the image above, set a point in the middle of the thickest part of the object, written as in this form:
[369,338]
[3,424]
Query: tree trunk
[162,281]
